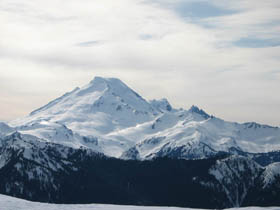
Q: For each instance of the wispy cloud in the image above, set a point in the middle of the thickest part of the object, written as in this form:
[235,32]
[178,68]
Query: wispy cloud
[89,43]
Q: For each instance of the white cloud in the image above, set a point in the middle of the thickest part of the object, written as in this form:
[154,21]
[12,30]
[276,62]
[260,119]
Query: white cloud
[149,46]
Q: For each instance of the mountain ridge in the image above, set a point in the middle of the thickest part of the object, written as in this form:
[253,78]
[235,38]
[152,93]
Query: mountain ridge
[104,143]
[120,119]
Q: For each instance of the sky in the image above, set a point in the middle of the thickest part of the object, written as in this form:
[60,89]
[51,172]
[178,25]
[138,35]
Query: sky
[221,55]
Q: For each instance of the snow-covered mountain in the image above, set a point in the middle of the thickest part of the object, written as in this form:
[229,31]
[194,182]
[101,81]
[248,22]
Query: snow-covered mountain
[5,129]
[72,176]
[123,124]
[80,142]
[102,106]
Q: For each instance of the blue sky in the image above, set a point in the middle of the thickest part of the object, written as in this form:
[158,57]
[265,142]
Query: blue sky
[222,55]
[252,42]
[197,9]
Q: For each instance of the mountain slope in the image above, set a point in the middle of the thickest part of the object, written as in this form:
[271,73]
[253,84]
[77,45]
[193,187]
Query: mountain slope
[5,129]
[123,124]
[55,173]
[193,137]
[105,104]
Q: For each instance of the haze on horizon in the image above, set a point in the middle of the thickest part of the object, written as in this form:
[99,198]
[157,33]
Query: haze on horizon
[223,56]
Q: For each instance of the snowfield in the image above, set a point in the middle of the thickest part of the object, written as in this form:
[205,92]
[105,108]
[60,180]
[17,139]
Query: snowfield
[10,203]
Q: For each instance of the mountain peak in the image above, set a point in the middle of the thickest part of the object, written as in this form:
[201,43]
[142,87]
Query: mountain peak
[195,109]
[161,104]
[107,80]
[107,103]
[115,85]
[255,125]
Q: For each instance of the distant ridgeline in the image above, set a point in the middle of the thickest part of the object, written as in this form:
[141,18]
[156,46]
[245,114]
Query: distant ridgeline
[49,172]
[104,143]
